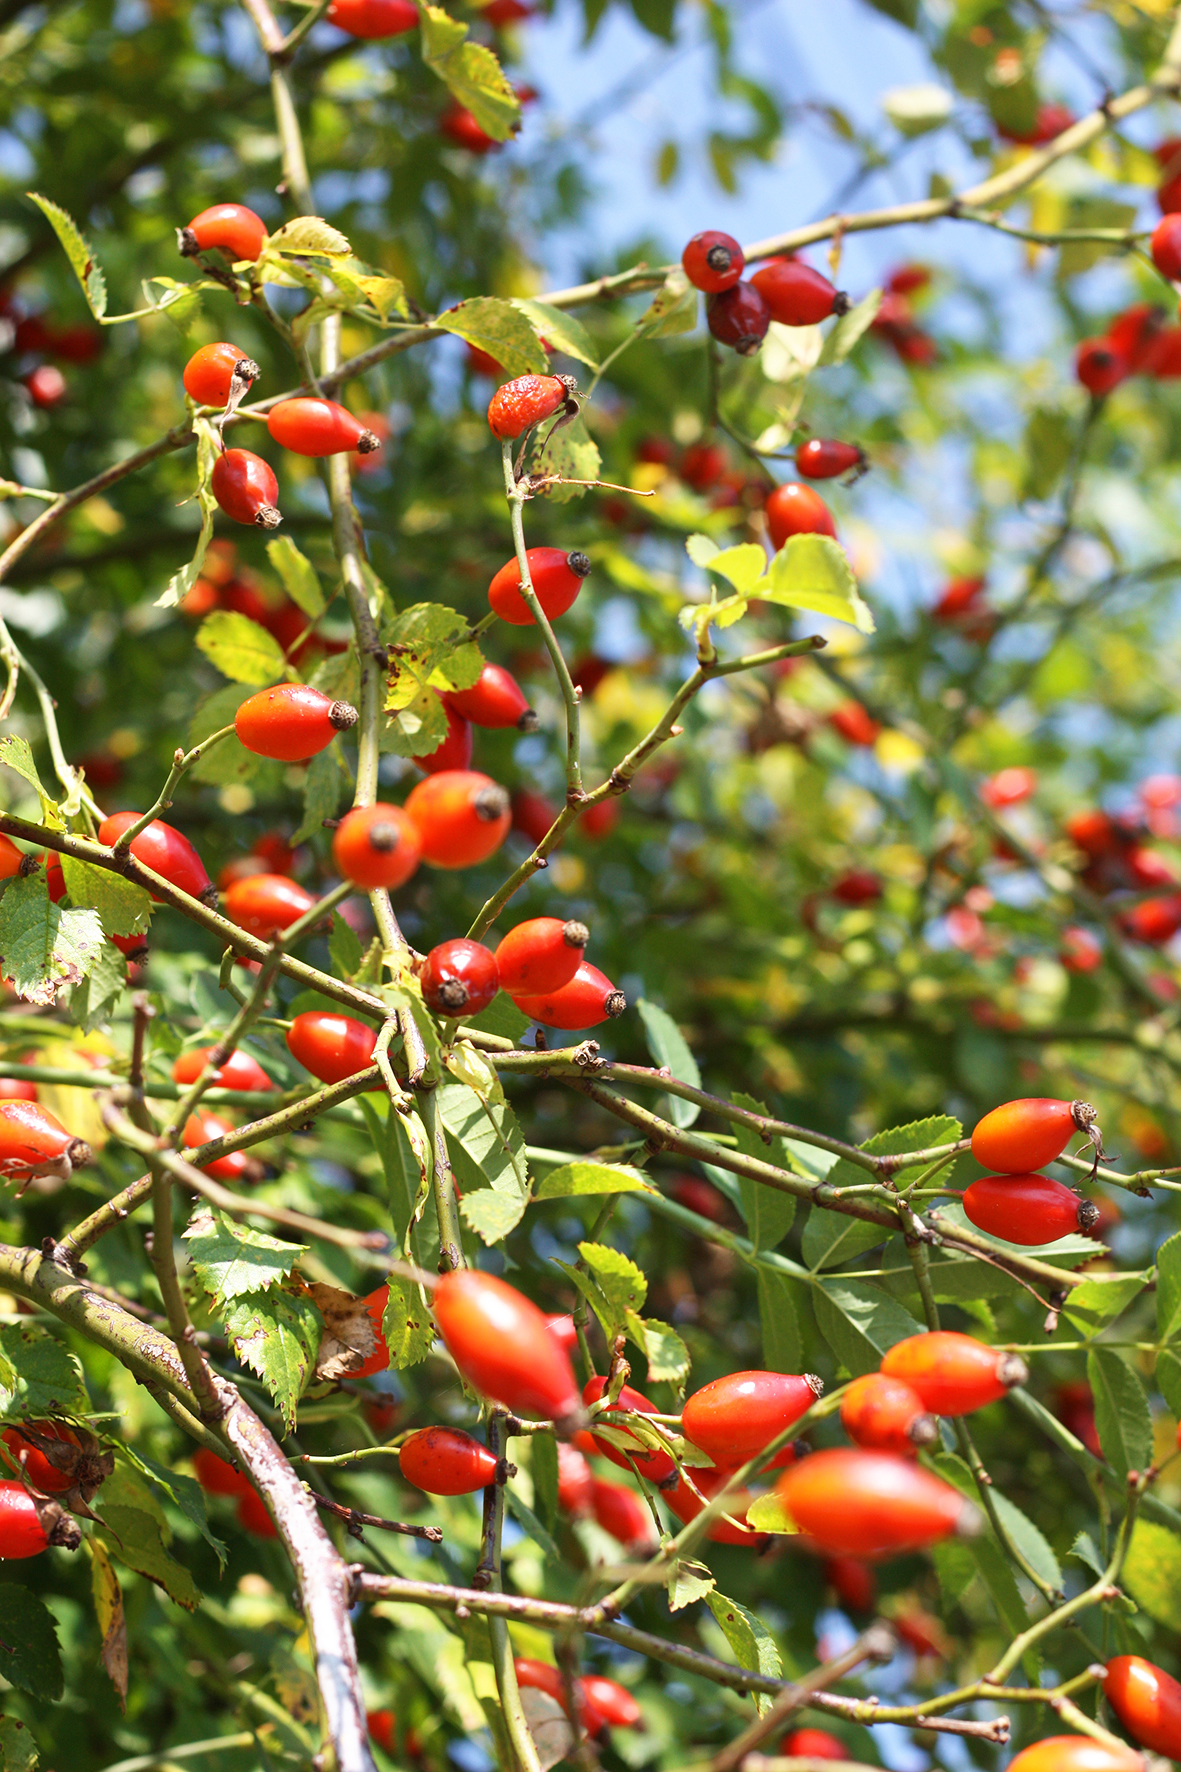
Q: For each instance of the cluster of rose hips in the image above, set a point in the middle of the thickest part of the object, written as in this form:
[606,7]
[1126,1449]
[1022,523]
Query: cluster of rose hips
[895,323]
[739,312]
[1118,859]
[1015,1141]
[32,337]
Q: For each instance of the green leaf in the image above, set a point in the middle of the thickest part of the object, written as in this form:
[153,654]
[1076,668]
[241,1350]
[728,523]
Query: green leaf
[231,1259]
[208,450]
[344,947]
[324,787]
[18,1750]
[768,1211]
[180,303]
[621,1282]
[561,331]
[1168,1289]
[30,1658]
[42,945]
[831,1238]
[850,328]
[860,1322]
[92,1002]
[1151,1574]
[81,256]
[501,1017]
[500,328]
[667,1356]
[998,1578]
[228,761]
[673,309]
[687,1582]
[16,755]
[309,233]
[241,649]
[812,572]
[134,1537]
[670,1049]
[1047,447]
[1101,1299]
[124,907]
[1028,1539]
[917,1135]
[592,1178]
[571,453]
[1168,1380]
[185,1494]
[407,1325]
[428,651]
[1122,1415]
[954,1567]
[741,566]
[779,1322]
[38,1375]
[1083,1551]
[277,1335]
[752,1643]
[492,1215]
[485,1140]
[471,73]
[767,1513]
[299,576]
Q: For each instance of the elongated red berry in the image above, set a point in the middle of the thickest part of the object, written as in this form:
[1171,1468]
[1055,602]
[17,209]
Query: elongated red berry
[872,1503]
[459,977]
[713,261]
[1147,1702]
[266,903]
[17,1089]
[231,226]
[291,721]
[736,1416]
[499,1340]
[1166,247]
[163,849]
[1099,366]
[795,294]
[686,1506]
[202,1128]
[253,1516]
[238,1071]
[589,999]
[821,458]
[217,1476]
[214,372]
[1077,1753]
[377,846]
[309,426]
[496,699]
[454,751]
[576,1483]
[621,1512]
[953,1373]
[656,1466]
[793,509]
[857,887]
[608,1704]
[1024,1135]
[557,579]
[245,487]
[461,816]
[520,404]
[886,1415]
[1154,921]
[855,724]
[540,956]
[739,317]
[543,1676]
[813,1744]
[446,1461]
[374,19]
[1028,1209]
[331,1046]
[29,1525]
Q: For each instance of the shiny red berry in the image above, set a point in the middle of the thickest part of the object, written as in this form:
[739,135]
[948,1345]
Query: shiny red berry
[854,724]
[231,226]
[377,846]
[885,1415]
[47,386]
[1099,366]
[823,459]
[163,849]
[621,1512]
[739,317]
[215,372]
[1147,1702]
[202,1128]
[1166,247]
[52,1468]
[238,1071]
[686,1506]
[1021,1136]
[291,722]
[245,487]
[331,1046]
[540,956]
[857,887]
[872,1503]
[253,1516]
[952,1373]
[319,427]
[17,1089]
[813,1744]
[589,999]
[795,294]
[374,18]
[454,751]
[1076,1753]
[608,1704]
[266,903]
[217,1476]
[446,1461]
[1028,1209]
[29,1525]
[576,1483]
[463,128]
[656,1466]
[461,816]
[793,509]
[459,978]
[557,579]
[713,261]
[736,1416]
[524,402]
[499,1340]
[494,700]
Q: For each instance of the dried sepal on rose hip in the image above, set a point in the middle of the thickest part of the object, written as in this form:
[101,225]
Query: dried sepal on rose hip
[59,1458]
[30,1524]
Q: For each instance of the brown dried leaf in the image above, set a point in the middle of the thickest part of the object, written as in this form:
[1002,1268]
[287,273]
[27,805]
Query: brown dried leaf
[108,1605]
[348,1339]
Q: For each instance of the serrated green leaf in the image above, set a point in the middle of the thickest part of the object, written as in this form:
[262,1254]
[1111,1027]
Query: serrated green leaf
[592,1178]
[492,1215]
[561,331]
[1083,1551]
[386,295]
[309,234]
[1122,1415]
[501,1017]
[124,907]
[666,1354]
[407,1325]
[81,256]
[621,1282]
[16,755]
[1101,1299]
[779,1322]
[299,577]
[185,1494]
[860,1322]
[673,309]
[753,1645]
[344,947]
[38,1375]
[687,1582]
[277,1335]
[228,761]
[500,328]
[1168,1380]
[231,1259]
[768,1513]
[470,72]
[30,1658]
[1028,1539]
[742,566]
[18,1750]
[669,1047]
[44,946]
[1152,1572]
[850,328]
[485,1140]
[570,453]
[240,649]
[180,303]
[812,572]
[92,1002]
[133,1536]
[428,653]
[1168,1288]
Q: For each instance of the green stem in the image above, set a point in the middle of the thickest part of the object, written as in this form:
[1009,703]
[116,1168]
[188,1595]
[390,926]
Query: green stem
[181,762]
[443,1185]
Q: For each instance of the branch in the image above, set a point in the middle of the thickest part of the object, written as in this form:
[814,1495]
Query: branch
[876,1644]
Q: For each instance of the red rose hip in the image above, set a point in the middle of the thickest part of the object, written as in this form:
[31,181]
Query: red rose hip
[501,1344]
[1147,1702]
[736,1416]
[557,578]
[589,999]
[540,956]
[886,1415]
[332,1047]
[739,317]
[291,722]
[231,226]
[952,1373]
[237,1071]
[524,402]
[1029,1209]
[872,1503]
[656,1466]
[266,903]
[377,846]
[461,816]
[319,427]
[713,261]
[163,849]
[215,372]
[446,1461]
[459,978]
[793,509]
[374,19]
[1021,1136]
[245,487]
[795,294]
[822,458]
[496,699]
